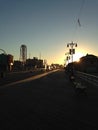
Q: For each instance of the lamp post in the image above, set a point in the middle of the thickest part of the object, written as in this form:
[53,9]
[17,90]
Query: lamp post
[71,49]
[68,57]
[71,52]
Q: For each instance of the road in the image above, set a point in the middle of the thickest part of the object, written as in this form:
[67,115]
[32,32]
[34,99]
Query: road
[47,102]
[16,76]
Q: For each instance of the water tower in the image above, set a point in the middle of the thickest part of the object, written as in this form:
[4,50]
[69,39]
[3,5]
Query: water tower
[23,54]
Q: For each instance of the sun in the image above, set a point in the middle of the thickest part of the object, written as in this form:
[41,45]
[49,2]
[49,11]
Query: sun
[77,56]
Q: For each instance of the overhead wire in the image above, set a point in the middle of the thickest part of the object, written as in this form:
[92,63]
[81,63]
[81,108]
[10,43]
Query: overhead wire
[78,18]
[80,12]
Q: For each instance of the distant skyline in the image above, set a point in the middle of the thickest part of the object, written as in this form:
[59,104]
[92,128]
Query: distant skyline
[46,26]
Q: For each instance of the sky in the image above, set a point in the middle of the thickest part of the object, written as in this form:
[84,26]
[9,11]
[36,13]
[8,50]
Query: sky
[47,26]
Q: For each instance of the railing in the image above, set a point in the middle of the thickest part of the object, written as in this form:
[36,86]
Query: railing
[92,79]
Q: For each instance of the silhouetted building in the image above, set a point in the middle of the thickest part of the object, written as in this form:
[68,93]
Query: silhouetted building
[6,62]
[34,63]
[88,63]
[17,65]
[23,54]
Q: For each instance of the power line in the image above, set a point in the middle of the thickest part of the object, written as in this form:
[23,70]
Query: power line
[80,13]
[78,19]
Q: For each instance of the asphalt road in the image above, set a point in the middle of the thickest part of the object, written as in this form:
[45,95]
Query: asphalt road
[47,102]
[16,76]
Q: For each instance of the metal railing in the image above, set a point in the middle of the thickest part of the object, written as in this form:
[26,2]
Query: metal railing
[92,79]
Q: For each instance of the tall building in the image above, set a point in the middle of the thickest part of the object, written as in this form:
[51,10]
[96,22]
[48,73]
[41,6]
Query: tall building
[23,53]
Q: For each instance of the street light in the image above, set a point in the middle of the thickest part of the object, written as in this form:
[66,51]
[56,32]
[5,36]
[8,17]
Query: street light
[72,50]
[68,57]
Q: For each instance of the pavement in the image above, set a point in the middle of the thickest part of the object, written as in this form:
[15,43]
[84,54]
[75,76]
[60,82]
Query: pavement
[49,102]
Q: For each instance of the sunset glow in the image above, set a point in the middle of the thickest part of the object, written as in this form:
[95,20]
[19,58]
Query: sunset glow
[77,56]
[47,26]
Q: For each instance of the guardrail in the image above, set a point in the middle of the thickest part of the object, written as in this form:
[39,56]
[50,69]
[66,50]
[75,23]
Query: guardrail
[92,79]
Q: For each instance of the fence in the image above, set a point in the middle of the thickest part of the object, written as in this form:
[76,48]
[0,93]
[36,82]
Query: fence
[92,79]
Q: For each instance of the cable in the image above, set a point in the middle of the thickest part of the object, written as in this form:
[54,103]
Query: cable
[80,12]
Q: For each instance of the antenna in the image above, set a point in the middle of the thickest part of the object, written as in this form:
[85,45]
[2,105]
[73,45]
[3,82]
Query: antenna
[40,56]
